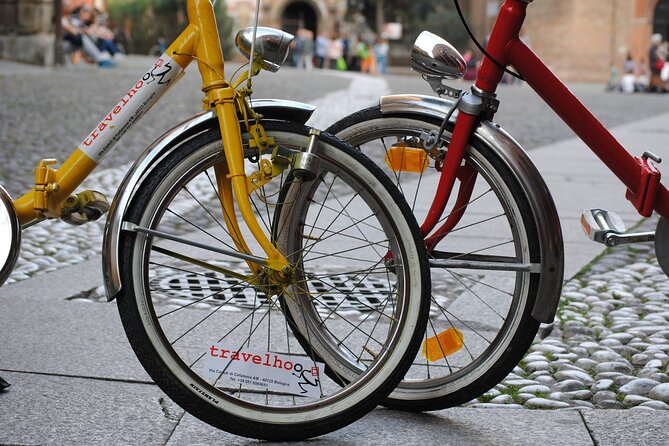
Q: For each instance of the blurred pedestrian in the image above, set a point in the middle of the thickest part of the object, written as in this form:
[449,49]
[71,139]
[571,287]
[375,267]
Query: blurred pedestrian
[100,33]
[655,64]
[366,56]
[77,33]
[305,49]
[381,50]
[628,80]
[642,78]
[321,49]
[334,53]
[353,60]
[471,65]
[346,42]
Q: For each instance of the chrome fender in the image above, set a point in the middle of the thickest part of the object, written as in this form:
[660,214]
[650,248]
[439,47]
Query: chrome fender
[268,108]
[529,178]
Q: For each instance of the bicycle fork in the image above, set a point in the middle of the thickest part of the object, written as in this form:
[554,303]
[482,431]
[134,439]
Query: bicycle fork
[221,97]
[470,107]
[231,180]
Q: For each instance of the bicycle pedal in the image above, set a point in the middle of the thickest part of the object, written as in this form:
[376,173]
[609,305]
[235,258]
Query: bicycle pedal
[607,227]
[84,207]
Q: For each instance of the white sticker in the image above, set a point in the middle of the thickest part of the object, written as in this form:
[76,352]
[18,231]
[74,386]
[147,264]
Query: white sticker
[275,372]
[132,106]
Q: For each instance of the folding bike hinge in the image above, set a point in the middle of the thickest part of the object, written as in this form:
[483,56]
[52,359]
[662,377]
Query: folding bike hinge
[608,228]
[45,184]
[643,198]
[84,207]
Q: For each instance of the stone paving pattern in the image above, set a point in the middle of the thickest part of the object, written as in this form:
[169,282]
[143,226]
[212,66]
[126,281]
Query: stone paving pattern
[609,348]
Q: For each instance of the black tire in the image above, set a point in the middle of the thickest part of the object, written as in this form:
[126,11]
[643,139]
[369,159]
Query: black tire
[499,302]
[170,199]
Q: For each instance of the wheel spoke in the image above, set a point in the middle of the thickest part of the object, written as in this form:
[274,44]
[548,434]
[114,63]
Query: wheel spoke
[482,262]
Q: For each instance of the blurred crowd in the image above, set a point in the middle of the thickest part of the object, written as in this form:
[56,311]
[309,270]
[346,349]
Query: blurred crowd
[340,52]
[86,36]
[646,75]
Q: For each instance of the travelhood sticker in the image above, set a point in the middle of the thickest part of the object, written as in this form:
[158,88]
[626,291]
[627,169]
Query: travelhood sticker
[275,372]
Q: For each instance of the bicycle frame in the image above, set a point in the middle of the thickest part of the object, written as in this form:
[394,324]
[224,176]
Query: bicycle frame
[199,41]
[639,175]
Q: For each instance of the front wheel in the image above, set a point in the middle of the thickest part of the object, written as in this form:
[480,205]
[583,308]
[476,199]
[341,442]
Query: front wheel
[485,270]
[214,335]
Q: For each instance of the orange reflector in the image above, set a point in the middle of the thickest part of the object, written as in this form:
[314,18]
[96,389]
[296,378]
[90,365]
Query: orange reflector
[444,344]
[401,158]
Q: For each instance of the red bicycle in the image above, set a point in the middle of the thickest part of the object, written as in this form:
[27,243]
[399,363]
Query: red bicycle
[489,221]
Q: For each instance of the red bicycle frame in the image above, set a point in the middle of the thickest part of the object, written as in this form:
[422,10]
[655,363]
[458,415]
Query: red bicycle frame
[639,175]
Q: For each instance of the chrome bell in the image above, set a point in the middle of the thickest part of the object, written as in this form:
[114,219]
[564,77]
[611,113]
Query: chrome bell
[433,56]
[272,46]
[10,235]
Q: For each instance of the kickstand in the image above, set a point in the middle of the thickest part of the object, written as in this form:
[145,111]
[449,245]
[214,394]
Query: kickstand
[3,384]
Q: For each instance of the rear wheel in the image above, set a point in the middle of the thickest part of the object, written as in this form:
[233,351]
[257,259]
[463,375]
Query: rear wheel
[214,335]
[484,271]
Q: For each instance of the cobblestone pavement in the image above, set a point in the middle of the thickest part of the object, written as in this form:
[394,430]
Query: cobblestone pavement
[47,113]
[609,348]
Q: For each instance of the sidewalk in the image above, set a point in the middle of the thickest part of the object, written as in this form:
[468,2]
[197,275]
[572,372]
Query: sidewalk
[76,381]
[579,180]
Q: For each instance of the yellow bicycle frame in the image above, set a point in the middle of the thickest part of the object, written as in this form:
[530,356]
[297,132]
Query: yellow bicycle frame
[199,41]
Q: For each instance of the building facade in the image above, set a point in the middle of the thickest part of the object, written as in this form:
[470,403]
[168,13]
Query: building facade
[28,28]
[579,40]
[320,16]
[27,31]
[582,40]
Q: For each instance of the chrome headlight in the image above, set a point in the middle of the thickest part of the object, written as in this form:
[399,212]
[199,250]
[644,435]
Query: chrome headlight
[272,46]
[433,56]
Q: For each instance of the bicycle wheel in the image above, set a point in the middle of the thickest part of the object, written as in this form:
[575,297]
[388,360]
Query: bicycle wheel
[214,335]
[480,321]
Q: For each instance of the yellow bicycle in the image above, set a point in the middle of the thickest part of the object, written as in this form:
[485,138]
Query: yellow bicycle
[268,276]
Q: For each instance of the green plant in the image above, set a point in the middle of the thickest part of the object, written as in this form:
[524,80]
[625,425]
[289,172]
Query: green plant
[513,391]
[485,398]
[147,21]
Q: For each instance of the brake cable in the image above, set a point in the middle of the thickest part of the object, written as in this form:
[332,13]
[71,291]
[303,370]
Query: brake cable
[479,46]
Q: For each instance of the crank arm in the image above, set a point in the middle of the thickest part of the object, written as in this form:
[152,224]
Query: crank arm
[615,239]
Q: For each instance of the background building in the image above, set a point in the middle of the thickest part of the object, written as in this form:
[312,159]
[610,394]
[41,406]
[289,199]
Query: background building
[579,40]
[28,28]
[320,16]
[582,40]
